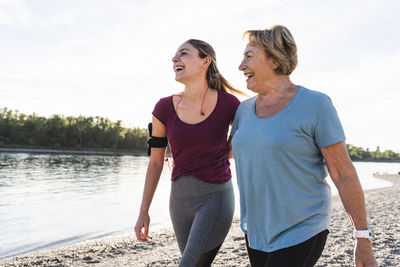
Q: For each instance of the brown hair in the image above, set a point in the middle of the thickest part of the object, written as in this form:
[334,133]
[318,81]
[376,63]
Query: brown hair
[214,77]
[278,43]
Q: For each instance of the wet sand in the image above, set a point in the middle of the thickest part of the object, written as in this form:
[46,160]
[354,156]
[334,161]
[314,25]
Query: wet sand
[383,209]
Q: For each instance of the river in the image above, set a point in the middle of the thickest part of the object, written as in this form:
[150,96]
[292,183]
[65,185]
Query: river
[48,200]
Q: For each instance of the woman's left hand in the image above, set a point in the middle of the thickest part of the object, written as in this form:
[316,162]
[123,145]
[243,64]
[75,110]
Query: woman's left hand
[363,256]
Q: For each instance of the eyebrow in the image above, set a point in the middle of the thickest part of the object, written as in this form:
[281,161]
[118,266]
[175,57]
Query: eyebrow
[183,50]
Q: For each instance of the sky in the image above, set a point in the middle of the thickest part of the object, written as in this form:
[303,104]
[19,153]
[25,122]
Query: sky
[113,58]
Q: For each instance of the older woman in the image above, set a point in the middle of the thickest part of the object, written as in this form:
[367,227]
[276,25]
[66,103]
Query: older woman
[282,139]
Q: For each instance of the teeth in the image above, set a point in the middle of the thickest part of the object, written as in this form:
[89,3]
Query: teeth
[248,74]
[178,68]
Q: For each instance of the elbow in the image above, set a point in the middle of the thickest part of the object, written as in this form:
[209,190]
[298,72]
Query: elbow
[344,179]
[157,164]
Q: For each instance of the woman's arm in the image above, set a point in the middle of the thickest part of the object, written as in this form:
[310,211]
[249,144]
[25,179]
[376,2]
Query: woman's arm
[230,152]
[153,173]
[345,177]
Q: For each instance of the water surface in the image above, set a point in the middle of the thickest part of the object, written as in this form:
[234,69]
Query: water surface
[48,200]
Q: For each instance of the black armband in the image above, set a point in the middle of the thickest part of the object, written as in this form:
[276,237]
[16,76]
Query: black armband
[155,141]
[158,141]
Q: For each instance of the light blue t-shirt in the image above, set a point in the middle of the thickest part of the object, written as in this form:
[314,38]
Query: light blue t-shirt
[284,196]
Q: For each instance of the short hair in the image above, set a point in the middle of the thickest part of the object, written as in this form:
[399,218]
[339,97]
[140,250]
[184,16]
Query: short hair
[278,43]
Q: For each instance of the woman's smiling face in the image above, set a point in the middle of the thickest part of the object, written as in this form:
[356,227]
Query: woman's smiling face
[187,63]
[257,67]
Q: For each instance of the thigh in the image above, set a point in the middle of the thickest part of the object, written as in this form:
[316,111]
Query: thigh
[210,226]
[182,217]
[221,207]
[305,254]
[257,258]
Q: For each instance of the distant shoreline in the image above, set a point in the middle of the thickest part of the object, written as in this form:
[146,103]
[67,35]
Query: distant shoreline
[105,152]
[110,152]
[377,160]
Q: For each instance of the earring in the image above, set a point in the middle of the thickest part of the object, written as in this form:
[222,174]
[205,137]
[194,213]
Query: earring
[273,68]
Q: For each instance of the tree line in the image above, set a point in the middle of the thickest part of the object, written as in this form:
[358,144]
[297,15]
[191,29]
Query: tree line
[57,131]
[361,154]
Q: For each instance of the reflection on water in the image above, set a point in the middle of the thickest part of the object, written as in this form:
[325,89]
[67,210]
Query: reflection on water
[74,170]
[48,200]
[58,199]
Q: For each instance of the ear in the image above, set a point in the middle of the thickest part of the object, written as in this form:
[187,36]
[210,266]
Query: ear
[275,64]
[207,61]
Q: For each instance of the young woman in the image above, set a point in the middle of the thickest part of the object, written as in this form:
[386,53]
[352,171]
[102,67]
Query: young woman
[282,139]
[195,123]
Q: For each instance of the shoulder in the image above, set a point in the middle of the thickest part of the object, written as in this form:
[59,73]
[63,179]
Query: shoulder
[228,97]
[228,102]
[163,105]
[246,106]
[248,102]
[312,94]
[314,98]
[318,106]
[164,102]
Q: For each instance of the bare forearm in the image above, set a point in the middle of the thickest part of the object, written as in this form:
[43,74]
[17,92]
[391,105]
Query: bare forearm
[352,197]
[152,177]
[345,177]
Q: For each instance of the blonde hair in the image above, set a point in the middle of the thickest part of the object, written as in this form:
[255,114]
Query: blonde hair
[214,77]
[278,43]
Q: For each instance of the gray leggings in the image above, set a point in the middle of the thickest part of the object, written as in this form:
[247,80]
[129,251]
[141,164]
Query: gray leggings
[201,215]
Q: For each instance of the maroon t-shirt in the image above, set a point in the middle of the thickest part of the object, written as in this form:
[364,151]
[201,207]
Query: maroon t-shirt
[201,149]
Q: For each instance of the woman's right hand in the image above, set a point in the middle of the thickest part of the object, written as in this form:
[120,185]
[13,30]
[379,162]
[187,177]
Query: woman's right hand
[142,227]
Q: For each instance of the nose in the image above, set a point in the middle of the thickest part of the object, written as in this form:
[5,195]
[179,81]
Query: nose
[242,66]
[174,59]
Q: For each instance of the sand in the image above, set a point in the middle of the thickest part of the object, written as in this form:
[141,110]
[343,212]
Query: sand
[383,209]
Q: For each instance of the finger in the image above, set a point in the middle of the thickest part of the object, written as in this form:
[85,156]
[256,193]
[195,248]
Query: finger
[145,232]
[137,232]
[143,237]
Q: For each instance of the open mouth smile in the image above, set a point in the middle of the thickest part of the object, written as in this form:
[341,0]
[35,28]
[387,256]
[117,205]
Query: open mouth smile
[249,75]
[178,68]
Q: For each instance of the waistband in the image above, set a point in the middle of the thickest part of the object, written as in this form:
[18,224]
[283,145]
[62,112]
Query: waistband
[188,185]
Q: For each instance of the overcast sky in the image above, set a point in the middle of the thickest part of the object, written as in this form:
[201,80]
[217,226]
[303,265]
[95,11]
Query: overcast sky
[113,58]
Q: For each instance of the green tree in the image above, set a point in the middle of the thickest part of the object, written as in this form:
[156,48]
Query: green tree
[68,132]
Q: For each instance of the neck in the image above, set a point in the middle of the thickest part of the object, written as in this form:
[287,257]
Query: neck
[278,86]
[195,91]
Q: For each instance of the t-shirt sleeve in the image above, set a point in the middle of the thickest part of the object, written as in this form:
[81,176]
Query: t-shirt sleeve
[328,128]
[235,123]
[235,102]
[160,111]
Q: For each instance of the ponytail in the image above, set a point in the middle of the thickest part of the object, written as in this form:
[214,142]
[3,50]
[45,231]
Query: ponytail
[214,78]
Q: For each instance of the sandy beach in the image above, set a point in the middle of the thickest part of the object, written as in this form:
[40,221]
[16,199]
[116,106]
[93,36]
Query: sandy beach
[383,209]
